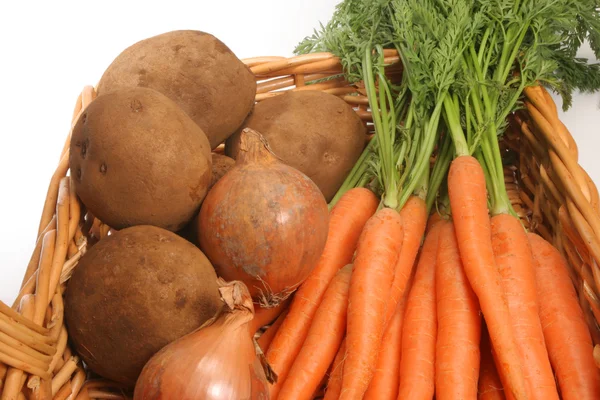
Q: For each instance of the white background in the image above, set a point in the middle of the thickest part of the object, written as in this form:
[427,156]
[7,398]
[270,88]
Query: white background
[50,50]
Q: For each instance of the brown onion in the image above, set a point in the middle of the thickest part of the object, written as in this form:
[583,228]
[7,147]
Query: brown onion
[219,361]
[264,223]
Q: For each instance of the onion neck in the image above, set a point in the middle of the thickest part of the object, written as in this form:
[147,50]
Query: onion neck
[254,148]
[237,309]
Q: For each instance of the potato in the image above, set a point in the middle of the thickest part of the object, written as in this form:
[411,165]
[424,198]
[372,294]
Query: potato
[221,164]
[314,132]
[138,159]
[133,293]
[194,69]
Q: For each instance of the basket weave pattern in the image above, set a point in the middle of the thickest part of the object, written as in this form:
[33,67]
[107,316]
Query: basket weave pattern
[553,195]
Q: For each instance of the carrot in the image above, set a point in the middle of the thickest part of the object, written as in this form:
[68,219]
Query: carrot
[515,263]
[468,202]
[264,341]
[457,356]
[384,385]
[434,218]
[334,384]
[414,220]
[320,392]
[264,316]
[322,341]
[419,330]
[490,386]
[566,334]
[377,253]
[346,222]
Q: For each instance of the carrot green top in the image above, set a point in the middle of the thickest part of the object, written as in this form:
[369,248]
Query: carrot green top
[466,64]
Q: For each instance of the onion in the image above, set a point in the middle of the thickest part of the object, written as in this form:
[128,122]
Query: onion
[263,223]
[219,361]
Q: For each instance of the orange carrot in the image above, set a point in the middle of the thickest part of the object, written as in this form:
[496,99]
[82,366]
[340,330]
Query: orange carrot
[384,385]
[334,384]
[322,341]
[434,218]
[377,253]
[457,356]
[346,222]
[419,330]
[490,386]
[414,220]
[567,336]
[515,263]
[468,202]
[264,341]
[264,316]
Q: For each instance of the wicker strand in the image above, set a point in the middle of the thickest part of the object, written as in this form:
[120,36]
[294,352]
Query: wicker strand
[74,211]
[543,102]
[276,66]
[567,169]
[22,319]
[14,377]
[61,347]
[77,383]
[42,284]
[64,374]
[55,323]
[41,388]
[15,348]
[65,392]
[25,335]
[35,257]
[51,198]
[62,237]
[592,301]
[69,266]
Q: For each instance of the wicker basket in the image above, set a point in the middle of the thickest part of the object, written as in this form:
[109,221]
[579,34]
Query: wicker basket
[551,192]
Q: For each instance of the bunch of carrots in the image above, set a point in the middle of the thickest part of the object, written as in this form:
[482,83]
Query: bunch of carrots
[432,287]
[456,304]
[383,317]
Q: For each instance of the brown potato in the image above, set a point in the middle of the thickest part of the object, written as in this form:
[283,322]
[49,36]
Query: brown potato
[221,164]
[194,69]
[132,294]
[314,132]
[138,159]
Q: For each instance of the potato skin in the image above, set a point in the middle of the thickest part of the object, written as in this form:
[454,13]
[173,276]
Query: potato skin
[221,164]
[312,131]
[138,159]
[194,69]
[133,293]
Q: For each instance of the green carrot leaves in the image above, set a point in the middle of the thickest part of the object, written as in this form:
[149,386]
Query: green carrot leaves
[466,64]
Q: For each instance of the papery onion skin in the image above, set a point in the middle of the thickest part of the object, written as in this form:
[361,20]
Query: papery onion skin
[264,223]
[215,362]
[226,371]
